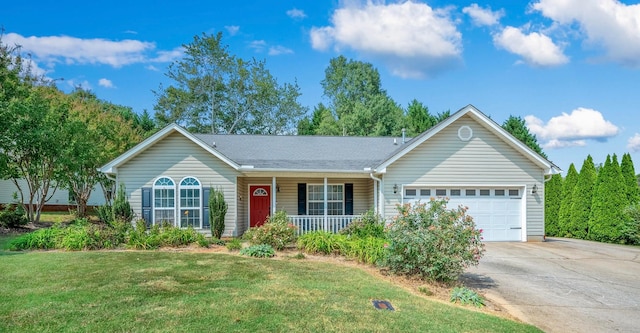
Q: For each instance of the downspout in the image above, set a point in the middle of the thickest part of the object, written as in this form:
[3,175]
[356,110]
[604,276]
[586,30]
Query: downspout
[376,181]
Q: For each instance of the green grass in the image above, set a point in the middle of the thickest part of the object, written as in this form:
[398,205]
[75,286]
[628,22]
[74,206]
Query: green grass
[56,217]
[138,291]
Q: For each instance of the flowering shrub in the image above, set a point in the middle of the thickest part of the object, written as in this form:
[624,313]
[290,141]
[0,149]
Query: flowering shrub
[369,224]
[277,232]
[433,242]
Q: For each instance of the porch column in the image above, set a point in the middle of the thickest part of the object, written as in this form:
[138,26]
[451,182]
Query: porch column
[273,196]
[326,208]
[376,205]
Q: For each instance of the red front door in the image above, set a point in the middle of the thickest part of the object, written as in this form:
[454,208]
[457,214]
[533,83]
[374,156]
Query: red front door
[259,204]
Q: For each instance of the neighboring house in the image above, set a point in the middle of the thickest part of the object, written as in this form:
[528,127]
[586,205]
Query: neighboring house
[60,200]
[326,182]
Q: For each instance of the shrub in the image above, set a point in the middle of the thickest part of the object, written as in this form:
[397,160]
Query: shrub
[259,251]
[277,232]
[13,216]
[121,208]
[369,224]
[41,239]
[322,242]
[466,296]
[433,242]
[234,245]
[368,250]
[217,212]
[631,229]
[105,214]
[163,235]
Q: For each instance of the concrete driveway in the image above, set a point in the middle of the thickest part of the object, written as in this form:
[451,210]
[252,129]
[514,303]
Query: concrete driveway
[563,285]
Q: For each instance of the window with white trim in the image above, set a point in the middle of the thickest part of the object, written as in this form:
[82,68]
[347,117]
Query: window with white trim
[335,199]
[164,200]
[190,206]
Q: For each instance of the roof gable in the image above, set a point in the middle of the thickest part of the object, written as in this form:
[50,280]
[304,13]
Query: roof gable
[112,166]
[485,121]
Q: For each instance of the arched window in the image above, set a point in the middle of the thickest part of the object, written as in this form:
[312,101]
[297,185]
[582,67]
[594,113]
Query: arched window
[164,201]
[190,203]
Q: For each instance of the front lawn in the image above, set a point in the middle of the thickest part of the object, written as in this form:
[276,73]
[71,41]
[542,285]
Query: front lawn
[156,291]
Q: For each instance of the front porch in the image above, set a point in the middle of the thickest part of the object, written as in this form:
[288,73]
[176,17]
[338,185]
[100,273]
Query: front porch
[311,203]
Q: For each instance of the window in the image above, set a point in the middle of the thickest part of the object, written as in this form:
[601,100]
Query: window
[470,193]
[514,193]
[164,200]
[441,192]
[485,193]
[499,193]
[335,199]
[410,192]
[425,192]
[455,193]
[190,206]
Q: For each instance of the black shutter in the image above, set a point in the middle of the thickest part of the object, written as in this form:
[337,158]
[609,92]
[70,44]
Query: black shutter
[205,207]
[348,199]
[302,199]
[146,205]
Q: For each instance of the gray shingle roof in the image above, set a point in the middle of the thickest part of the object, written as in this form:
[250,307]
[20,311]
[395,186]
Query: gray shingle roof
[304,152]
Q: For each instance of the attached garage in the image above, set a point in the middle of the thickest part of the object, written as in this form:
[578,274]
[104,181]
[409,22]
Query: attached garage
[498,211]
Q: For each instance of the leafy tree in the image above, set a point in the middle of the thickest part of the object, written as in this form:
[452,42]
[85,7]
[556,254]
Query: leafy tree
[552,201]
[581,200]
[99,132]
[218,92]
[217,211]
[564,215]
[607,219]
[629,175]
[516,126]
[419,119]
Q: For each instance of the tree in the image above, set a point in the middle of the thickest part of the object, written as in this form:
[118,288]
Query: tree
[218,92]
[552,201]
[419,119]
[217,212]
[581,200]
[564,215]
[607,219]
[100,131]
[516,126]
[629,175]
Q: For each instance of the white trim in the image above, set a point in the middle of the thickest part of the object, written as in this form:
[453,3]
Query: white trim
[249,201]
[179,205]
[175,199]
[484,120]
[325,200]
[112,166]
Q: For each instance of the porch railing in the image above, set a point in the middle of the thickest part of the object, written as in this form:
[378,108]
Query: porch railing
[333,223]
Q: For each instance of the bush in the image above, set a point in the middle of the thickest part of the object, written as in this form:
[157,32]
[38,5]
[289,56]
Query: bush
[631,228]
[234,245]
[13,216]
[217,212]
[105,214]
[163,235]
[42,239]
[121,208]
[78,235]
[368,250]
[322,242]
[433,242]
[369,224]
[466,296]
[277,232]
[259,251]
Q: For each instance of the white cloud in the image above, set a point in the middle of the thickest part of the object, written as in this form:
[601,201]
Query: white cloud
[105,83]
[483,16]
[73,50]
[278,50]
[610,24]
[573,129]
[152,68]
[411,38]
[232,29]
[535,48]
[296,14]
[84,84]
[169,56]
[258,45]
[633,143]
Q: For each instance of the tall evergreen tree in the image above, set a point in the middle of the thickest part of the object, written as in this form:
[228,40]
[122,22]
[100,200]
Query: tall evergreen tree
[564,215]
[552,200]
[630,180]
[582,197]
[516,126]
[606,221]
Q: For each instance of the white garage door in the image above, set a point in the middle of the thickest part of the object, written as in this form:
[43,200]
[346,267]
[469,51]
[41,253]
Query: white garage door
[497,211]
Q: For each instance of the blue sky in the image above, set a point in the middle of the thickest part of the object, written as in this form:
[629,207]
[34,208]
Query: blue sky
[571,68]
